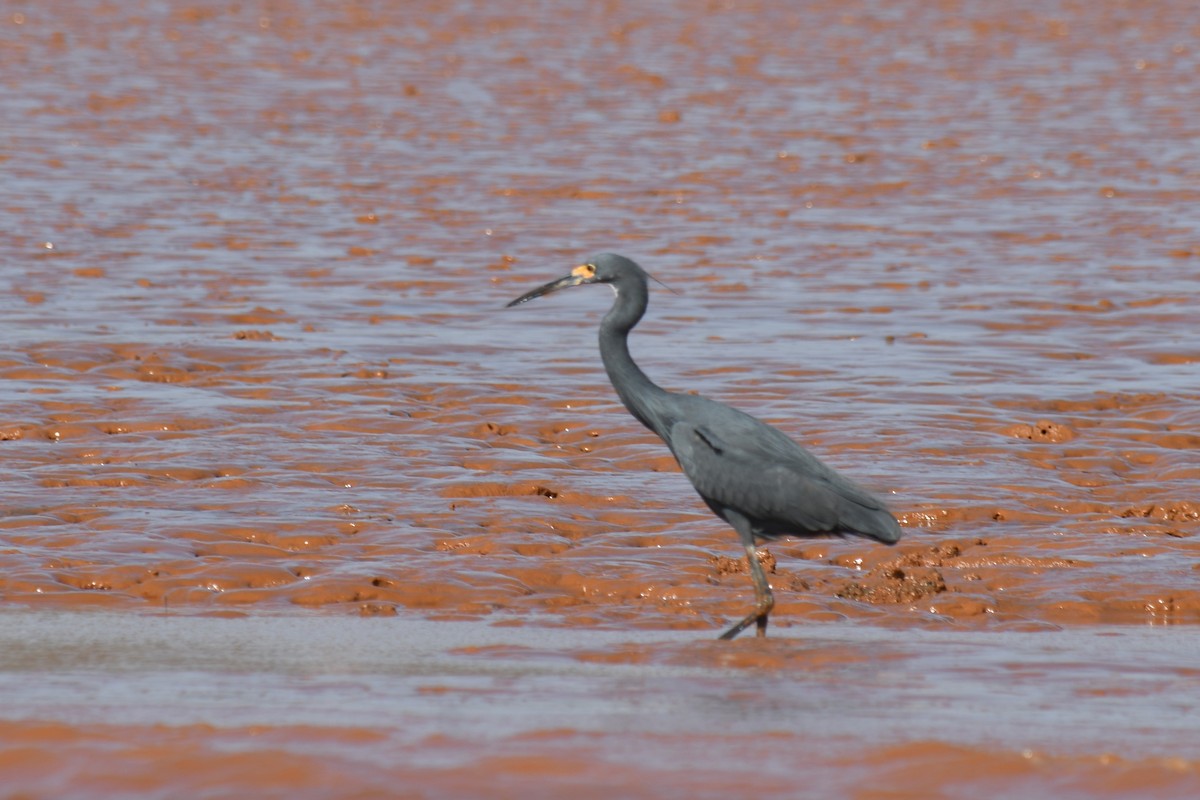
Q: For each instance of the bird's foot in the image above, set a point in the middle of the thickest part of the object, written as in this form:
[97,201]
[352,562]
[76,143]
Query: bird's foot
[757,617]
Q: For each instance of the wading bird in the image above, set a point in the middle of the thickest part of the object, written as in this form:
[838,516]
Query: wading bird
[750,474]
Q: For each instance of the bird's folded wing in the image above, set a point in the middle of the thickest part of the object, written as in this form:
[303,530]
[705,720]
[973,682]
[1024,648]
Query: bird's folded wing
[771,479]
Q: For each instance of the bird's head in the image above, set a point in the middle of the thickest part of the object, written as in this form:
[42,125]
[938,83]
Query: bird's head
[604,268]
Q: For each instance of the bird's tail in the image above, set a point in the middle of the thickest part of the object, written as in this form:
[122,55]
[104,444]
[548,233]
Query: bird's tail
[870,523]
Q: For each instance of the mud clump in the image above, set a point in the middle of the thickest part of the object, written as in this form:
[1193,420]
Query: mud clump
[895,585]
[1178,512]
[725,565]
[907,579]
[1041,431]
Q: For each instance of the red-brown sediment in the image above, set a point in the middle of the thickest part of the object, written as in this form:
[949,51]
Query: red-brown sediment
[254,360]
[204,759]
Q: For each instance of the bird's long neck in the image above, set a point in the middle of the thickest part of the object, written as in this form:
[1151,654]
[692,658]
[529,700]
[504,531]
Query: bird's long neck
[639,394]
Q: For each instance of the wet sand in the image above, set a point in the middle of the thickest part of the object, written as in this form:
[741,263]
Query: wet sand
[259,391]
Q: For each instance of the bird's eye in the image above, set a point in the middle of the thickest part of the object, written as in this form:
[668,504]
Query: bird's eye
[585,271]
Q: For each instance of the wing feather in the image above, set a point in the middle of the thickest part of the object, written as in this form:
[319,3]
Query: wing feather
[738,462]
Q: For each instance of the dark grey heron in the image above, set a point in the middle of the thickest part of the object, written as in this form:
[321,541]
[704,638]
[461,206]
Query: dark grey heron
[750,474]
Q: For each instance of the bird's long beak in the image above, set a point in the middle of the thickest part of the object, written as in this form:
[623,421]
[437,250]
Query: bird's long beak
[581,274]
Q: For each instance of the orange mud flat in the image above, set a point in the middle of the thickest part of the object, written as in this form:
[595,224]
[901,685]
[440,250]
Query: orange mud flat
[293,507]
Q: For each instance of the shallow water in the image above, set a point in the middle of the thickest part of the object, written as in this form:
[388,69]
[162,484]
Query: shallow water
[255,360]
[467,708]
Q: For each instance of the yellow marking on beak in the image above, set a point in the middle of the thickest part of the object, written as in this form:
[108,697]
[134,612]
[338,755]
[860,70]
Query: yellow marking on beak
[584,272]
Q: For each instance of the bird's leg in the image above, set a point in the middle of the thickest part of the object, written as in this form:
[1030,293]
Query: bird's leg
[764,601]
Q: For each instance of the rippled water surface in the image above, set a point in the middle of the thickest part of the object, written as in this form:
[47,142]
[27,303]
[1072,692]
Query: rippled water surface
[255,363]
